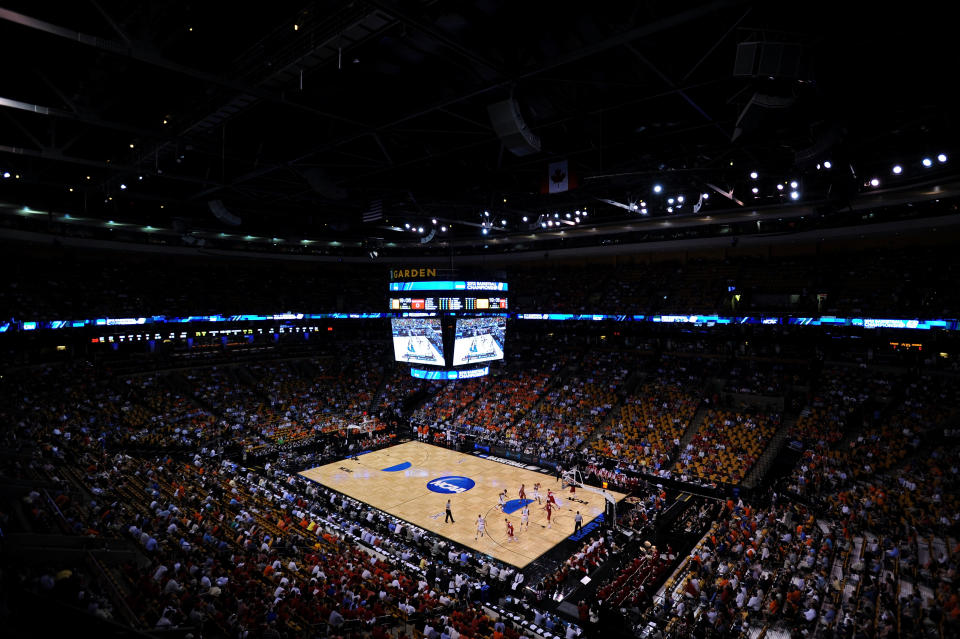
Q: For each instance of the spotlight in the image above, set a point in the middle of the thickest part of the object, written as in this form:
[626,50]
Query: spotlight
[556,215]
[543,225]
[576,220]
[123,187]
[484,231]
[486,213]
[407,225]
[434,220]
[680,199]
[524,218]
[568,216]
[669,209]
[779,187]
[443,229]
[927,162]
[793,184]
[633,207]
[794,195]
[669,200]
[503,222]
[753,175]
[874,182]
[420,230]
[706,196]
[942,158]
[897,169]
[6,174]
[584,212]
[827,165]
[643,211]
[657,188]
[755,190]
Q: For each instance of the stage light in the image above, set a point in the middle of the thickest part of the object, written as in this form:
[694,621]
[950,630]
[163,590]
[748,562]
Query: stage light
[680,199]
[827,165]
[6,174]
[486,213]
[793,184]
[755,190]
[524,218]
[123,187]
[657,188]
[556,215]
[794,195]
[779,187]
[927,162]
[942,158]
[643,211]
[406,225]
[897,169]
[753,175]
[576,220]
[706,196]
[669,209]
[443,229]
[874,182]
[433,221]
[633,207]
[669,200]
[584,212]
[484,231]
[568,216]
[543,225]
[420,230]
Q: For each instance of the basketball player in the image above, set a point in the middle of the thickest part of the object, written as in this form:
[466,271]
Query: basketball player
[550,498]
[481,525]
[523,493]
[549,508]
[536,492]
[510,536]
[525,517]
[503,498]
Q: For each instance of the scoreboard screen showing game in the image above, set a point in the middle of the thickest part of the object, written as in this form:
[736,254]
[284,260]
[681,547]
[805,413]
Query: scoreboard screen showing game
[447,322]
[418,341]
[479,339]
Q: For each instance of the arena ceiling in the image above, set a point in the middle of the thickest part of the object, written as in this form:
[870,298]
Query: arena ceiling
[304,119]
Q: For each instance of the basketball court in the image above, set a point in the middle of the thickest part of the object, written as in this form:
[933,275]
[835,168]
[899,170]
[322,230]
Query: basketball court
[413,482]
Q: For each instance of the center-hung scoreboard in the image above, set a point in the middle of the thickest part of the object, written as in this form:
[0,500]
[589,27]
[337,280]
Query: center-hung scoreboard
[446,324]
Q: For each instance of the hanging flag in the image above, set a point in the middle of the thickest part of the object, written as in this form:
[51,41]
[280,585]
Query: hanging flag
[374,211]
[558,177]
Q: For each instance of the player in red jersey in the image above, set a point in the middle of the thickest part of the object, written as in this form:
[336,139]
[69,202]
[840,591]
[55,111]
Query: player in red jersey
[523,493]
[510,536]
[549,508]
[550,498]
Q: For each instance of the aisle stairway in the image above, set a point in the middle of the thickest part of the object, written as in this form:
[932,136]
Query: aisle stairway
[770,454]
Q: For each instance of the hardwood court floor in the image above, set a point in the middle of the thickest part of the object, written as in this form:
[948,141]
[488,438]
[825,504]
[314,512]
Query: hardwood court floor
[402,491]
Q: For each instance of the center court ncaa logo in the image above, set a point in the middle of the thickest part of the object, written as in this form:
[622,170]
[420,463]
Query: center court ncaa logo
[451,484]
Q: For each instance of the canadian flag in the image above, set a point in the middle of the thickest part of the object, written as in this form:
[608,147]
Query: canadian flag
[558,177]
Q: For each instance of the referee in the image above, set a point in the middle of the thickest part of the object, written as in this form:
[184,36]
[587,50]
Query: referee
[449,516]
[577,522]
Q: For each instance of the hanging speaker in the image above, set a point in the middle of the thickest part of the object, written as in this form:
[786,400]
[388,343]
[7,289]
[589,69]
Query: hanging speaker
[221,213]
[511,129]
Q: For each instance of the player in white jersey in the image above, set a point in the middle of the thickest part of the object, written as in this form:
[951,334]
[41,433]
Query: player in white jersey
[503,498]
[481,526]
[525,517]
[536,492]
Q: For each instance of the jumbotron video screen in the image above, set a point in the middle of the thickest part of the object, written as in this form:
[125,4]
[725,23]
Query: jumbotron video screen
[478,340]
[442,318]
